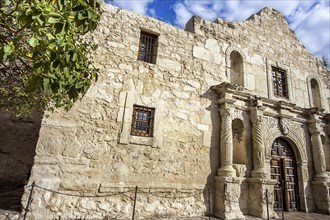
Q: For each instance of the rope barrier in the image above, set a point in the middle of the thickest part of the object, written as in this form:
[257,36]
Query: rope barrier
[170,197]
[265,196]
[84,196]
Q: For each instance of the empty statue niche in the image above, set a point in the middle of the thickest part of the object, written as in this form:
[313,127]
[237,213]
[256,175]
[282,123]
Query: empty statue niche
[239,146]
[316,97]
[236,68]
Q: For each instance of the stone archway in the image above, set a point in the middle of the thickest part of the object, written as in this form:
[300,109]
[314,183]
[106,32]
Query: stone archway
[284,171]
[295,138]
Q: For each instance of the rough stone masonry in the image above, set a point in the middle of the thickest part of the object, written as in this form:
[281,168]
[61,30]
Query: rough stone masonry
[218,117]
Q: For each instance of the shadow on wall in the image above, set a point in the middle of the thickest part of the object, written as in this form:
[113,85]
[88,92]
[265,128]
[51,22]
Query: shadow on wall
[18,140]
[214,148]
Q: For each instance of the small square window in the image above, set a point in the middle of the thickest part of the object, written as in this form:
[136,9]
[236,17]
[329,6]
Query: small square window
[142,121]
[280,82]
[148,47]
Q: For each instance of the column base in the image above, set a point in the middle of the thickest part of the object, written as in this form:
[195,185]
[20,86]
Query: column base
[260,173]
[321,196]
[258,201]
[227,171]
[322,177]
[227,195]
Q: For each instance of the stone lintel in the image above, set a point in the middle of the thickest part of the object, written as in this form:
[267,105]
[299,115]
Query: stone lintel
[228,99]
[314,112]
[285,105]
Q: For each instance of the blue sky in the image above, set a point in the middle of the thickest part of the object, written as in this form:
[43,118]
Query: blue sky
[310,19]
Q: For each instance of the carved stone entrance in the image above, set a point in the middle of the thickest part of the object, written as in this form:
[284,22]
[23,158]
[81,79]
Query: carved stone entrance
[284,170]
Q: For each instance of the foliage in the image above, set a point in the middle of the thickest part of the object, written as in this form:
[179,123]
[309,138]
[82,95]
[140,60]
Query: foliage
[44,58]
[325,61]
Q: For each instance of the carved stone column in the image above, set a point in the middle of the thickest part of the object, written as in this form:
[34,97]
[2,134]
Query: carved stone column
[227,185]
[258,143]
[317,149]
[226,143]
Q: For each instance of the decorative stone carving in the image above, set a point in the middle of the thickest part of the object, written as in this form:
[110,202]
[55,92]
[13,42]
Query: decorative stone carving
[240,170]
[226,141]
[258,143]
[317,149]
[283,124]
[237,114]
[296,135]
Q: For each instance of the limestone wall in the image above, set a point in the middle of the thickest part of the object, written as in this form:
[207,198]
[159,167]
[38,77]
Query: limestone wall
[89,149]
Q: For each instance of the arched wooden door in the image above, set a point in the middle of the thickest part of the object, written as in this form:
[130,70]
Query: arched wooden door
[284,170]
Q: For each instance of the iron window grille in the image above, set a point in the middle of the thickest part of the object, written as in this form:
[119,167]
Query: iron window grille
[280,82]
[148,47]
[142,121]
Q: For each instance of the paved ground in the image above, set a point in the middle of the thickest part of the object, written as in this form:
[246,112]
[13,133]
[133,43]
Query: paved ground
[303,216]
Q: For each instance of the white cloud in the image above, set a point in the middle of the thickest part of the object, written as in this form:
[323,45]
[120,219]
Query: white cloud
[139,6]
[309,19]
[182,14]
[314,30]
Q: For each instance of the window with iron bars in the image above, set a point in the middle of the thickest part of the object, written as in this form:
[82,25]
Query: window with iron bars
[280,82]
[142,121]
[148,47]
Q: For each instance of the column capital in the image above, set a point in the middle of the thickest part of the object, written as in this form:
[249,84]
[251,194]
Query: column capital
[256,115]
[314,128]
[226,110]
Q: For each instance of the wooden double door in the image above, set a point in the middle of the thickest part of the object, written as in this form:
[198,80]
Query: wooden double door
[284,170]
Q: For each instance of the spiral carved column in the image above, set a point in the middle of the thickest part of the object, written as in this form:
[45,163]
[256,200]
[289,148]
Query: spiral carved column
[258,144]
[318,153]
[226,143]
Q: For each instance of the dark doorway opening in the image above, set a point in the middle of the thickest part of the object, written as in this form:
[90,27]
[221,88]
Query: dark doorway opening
[18,140]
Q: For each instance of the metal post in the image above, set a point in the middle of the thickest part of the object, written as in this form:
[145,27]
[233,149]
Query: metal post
[136,188]
[29,201]
[209,195]
[282,203]
[267,204]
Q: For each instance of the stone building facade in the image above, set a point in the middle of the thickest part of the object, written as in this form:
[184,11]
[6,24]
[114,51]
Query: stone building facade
[221,118]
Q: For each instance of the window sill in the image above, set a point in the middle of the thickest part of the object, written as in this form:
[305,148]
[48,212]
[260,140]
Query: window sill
[139,140]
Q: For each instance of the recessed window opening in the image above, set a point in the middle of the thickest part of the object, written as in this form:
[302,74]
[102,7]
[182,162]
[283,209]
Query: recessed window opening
[316,96]
[280,82]
[148,47]
[143,121]
[236,70]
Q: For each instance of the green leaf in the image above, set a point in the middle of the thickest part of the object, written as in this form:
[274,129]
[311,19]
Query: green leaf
[49,34]
[55,15]
[34,42]
[74,57]
[81,16]
[8,49]
[45,84]
[53,20]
